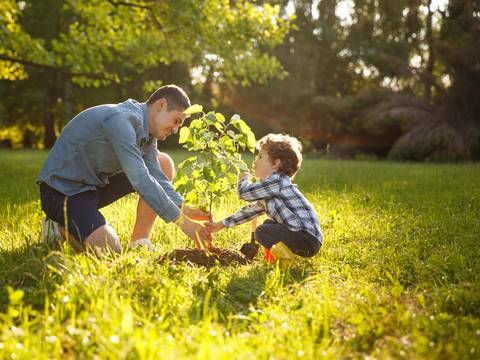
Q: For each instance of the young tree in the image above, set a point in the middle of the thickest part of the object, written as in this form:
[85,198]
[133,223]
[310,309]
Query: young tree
[217,143]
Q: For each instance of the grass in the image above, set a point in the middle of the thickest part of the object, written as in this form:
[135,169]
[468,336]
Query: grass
[397,277]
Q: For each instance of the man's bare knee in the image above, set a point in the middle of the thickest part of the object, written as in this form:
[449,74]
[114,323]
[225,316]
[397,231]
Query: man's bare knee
[104,238]
[167,165]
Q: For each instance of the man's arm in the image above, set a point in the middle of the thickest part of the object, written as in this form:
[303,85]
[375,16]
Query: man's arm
[121,134]
[151,161]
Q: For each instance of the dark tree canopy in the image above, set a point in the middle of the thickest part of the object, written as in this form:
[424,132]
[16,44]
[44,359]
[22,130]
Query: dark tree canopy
[393,78]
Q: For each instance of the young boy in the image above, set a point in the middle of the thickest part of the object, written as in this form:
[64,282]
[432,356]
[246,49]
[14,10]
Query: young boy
[293,227]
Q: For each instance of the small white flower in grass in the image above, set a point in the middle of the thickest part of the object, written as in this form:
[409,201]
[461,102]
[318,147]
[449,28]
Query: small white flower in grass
[66,298]
[114,339]
[300,353]
[17,331]
[19,346]
[51,339]
[285,325]
[85,340]
[50,319]
[212,333]
[1,345]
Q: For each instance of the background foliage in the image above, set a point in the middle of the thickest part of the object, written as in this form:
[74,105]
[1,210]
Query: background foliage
[398,79]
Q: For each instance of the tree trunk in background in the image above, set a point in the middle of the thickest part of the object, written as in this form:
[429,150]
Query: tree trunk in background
[431,57]
[67,101]
[27,141]
[49,125]
[49,120]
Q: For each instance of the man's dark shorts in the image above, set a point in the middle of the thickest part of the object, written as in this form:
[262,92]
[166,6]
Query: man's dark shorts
[82,209]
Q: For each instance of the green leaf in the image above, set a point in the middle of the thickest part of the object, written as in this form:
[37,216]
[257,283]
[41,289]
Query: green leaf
[208,174]
[200,186]
[242,127]
[184,134]
[232,179]
[182,180]
[191,197]
[251,141]
[196,124]
[14,296]
[220,117]
[211,118]
[218,126]
[194,109]
[196,174]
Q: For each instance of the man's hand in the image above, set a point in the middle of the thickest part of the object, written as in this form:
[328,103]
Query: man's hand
[196,214]
[197,232]
[214,226]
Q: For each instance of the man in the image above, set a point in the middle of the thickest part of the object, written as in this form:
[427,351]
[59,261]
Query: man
[105,153]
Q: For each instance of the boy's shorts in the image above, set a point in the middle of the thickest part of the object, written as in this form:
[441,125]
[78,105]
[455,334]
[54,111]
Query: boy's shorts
[82,209]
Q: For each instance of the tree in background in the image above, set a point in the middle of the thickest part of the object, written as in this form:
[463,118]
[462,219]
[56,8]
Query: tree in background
[116,46]
[397,78]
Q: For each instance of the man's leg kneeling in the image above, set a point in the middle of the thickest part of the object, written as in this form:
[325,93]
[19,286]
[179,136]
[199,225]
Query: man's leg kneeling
[104,238]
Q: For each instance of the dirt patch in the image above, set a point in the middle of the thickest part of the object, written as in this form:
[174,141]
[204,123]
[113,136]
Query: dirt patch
[215,256]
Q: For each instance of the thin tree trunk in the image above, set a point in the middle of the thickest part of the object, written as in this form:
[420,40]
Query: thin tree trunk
[431,56]
[49,120]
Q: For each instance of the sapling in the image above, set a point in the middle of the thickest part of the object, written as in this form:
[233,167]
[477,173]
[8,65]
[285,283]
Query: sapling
[205,177]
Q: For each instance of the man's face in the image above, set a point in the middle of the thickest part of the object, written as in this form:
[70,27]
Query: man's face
[163,123]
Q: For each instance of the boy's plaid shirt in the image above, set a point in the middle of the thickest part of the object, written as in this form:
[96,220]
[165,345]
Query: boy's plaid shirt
[281,200]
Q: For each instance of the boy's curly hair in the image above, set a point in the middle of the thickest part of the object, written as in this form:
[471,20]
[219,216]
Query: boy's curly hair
[284,147]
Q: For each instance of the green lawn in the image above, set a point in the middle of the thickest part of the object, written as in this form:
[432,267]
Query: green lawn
[397,277]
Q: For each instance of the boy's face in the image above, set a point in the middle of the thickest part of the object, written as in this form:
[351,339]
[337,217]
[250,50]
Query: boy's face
[263,167]
[163,123]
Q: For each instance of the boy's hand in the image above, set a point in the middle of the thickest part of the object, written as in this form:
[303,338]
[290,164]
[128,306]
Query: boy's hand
[245,175]
[214,226]
[196,214]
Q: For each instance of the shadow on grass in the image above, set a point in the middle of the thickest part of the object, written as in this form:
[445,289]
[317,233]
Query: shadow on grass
[32,269]
[243,291]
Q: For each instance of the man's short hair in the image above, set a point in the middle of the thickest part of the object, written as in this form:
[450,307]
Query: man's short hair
[176,97]
[285,148]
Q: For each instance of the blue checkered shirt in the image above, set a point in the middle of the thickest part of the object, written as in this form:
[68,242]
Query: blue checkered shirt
[281,200]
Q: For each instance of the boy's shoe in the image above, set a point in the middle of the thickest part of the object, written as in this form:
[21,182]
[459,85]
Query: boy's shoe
[282,253]
[142,242]
[51,236]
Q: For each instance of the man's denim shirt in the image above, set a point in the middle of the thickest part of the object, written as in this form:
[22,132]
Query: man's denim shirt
[106,140]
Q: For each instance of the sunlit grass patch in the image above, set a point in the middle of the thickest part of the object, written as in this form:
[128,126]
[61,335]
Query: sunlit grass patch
[396,277]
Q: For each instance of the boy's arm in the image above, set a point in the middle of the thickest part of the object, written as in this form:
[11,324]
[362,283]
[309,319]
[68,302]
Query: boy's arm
[261,190]
[246,213]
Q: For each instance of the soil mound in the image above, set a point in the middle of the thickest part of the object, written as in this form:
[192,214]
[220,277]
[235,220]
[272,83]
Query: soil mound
[215,256]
